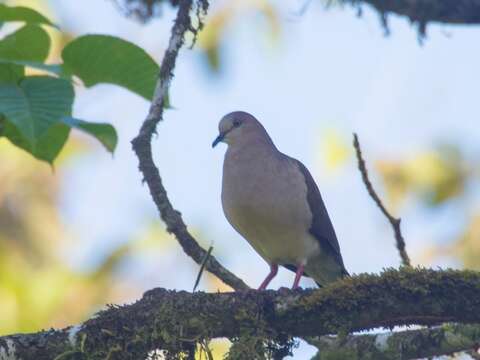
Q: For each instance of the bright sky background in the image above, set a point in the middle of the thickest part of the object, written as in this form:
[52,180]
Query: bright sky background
[329,70]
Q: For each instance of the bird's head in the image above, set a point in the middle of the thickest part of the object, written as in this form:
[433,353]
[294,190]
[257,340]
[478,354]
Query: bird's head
[237,127]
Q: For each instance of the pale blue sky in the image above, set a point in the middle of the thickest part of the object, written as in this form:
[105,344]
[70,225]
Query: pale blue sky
[329,70]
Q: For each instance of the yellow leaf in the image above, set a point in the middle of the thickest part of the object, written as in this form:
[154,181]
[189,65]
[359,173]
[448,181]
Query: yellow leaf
[335,149]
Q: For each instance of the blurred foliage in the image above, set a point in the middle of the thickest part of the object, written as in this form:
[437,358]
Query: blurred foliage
[35,281]
[433,177]
[465,248]
[212,38]
[429,178]
[335,150]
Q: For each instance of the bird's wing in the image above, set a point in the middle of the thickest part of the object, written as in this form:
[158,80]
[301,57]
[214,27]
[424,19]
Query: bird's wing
[321,228]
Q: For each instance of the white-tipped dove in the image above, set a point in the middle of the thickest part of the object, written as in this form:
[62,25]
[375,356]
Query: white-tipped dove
[272,200]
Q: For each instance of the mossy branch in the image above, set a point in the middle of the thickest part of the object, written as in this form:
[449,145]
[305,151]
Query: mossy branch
[423,12]
[410,344]
[445,11]
[175,321]
[418,12]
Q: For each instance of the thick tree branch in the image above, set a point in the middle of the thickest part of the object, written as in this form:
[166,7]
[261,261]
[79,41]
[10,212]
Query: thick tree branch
[176,320]
[423,12]
[410,344]
[420,12]
[393,221]
[143,148]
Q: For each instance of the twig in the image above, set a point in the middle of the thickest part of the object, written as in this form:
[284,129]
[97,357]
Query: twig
[143,149]
[202,267]
[393,221]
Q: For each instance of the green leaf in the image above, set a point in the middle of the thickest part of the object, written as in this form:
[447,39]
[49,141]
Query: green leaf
[56,69]
[33,112]
[20,13]
[10,73]
[105,59]
[105,133]
[29,43]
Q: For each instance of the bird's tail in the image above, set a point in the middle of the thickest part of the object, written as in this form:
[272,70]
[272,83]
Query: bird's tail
[325,269]
[322,272]
[344,274]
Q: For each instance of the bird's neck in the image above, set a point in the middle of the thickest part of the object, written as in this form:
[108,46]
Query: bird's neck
[251,148]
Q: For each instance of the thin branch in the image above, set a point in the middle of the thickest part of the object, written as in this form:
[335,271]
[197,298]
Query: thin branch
[174,321]
[410,344]
[202,267]
[393,221]
[143,149]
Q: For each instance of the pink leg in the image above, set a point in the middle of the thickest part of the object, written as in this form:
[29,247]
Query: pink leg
[270,276]
[298,275]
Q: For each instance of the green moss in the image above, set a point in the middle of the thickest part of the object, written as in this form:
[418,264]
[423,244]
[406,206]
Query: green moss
[261,321]
[71,355]
[337,355]
[113,352]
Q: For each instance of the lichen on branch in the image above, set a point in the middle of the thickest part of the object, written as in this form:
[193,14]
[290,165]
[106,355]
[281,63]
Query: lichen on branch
[407,344]
[176,320]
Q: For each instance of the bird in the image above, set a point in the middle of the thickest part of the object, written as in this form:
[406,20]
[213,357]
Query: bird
[272,200]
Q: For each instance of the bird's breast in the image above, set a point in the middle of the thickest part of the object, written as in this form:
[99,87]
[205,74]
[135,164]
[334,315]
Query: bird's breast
[264,199]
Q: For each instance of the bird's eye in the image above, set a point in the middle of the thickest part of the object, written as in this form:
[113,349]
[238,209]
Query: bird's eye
[236,123]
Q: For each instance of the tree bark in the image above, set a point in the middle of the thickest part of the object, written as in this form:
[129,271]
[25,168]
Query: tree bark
[175,321]
[424,11]
[410,344]
[420,11]
[142,145]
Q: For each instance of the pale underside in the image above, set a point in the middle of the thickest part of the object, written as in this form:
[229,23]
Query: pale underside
[264,197]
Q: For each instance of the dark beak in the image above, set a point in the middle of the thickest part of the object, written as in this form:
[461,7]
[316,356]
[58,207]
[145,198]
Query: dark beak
[217,140]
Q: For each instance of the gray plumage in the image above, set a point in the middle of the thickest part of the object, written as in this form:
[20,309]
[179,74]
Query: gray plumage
[272,200]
